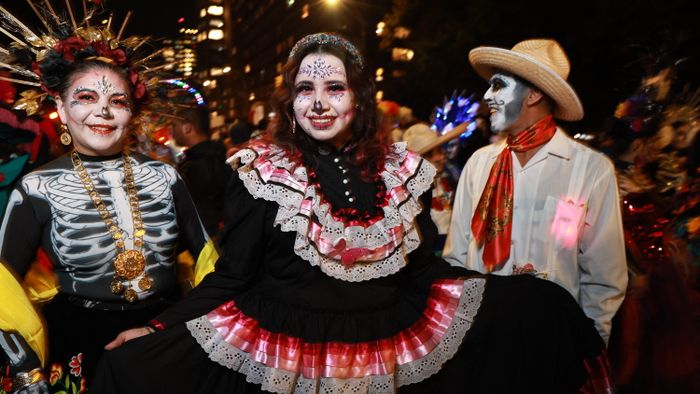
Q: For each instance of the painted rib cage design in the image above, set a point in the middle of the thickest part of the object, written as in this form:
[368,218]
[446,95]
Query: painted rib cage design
[79,237]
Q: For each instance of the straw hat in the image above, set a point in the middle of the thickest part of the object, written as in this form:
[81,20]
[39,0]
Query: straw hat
[541,62]
[422,139]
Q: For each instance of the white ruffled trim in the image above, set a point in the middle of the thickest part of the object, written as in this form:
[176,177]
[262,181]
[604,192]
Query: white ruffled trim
[290,218]
[280,381]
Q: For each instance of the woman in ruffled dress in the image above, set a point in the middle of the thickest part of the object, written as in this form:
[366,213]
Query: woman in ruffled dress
[329,283]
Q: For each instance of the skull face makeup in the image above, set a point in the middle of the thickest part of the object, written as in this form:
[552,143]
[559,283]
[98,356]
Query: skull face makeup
[505,98]
[97,111]
[323,105]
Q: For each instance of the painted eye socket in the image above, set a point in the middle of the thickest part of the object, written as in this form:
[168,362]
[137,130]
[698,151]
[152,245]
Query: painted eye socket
[337,88]
[119,102]
[86,97]
[304,89]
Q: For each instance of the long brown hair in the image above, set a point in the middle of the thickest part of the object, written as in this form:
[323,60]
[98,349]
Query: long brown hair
[369,146]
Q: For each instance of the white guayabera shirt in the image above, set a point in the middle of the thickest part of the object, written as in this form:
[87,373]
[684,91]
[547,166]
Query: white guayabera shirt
[567,225]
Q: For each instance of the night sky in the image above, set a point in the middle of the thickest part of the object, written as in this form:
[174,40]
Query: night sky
[611,43]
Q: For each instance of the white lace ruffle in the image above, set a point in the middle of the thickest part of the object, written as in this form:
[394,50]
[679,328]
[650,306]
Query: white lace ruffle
[281,381]
[267,173]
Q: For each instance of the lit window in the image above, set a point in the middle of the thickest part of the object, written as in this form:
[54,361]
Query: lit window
[218,23]
[380,75]
[202,12]
[401,54]
[247,68]
[401,33]
[305,11]
[215,10]
[380,28]
[226,69]
[251,97]
[380,95]
[215,34]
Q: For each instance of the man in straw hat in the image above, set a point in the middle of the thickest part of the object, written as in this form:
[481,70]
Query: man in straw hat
[539,202]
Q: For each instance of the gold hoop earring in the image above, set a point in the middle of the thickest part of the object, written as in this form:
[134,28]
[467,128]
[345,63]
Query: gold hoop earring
[65,135]
[294,125]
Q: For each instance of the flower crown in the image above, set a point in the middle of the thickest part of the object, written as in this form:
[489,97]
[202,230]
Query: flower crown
[42,60]
[329,39]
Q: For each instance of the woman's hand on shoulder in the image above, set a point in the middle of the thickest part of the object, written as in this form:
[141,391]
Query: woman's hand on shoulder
[126,336]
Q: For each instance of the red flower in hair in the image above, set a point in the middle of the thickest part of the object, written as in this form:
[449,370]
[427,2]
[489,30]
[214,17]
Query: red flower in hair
[68,47]
[118,56]
[139,91]
[139,87]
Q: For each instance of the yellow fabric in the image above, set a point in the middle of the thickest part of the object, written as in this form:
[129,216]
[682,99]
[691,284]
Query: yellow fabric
[40,285]
[205,262]
[18,314]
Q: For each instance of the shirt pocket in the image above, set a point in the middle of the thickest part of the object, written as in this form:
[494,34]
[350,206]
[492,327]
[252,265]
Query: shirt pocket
[566,223]
[557,230]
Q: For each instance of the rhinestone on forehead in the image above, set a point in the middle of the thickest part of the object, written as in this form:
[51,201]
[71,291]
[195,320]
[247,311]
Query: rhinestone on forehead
[319,69]
[328,39]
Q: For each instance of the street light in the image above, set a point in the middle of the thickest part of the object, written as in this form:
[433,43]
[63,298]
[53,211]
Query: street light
[332,3]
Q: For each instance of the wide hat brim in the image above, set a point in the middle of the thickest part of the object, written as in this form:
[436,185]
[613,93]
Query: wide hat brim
[450,135]
[490,60]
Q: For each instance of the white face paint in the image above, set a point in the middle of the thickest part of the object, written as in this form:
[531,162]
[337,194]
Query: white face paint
[97,111]
[505,100]
[323,105]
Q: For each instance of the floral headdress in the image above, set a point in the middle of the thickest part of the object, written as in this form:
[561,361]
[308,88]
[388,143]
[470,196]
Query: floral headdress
[328,39]
[41,58]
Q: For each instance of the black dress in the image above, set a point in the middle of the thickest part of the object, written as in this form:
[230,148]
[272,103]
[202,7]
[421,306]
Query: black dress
[340,293]
[50,212]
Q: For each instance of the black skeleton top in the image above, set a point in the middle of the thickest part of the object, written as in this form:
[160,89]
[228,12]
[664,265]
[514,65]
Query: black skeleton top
[50,209]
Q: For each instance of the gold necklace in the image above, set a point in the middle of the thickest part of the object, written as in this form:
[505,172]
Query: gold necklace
[129,264]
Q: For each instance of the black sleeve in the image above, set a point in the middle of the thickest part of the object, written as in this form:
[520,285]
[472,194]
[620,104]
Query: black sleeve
[424,267]
[206,180]
[192,235]
[242,240]
[20,234]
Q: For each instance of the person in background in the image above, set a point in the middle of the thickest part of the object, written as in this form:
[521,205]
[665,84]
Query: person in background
[539,203]
[649,346]
[426,142]
[203,167]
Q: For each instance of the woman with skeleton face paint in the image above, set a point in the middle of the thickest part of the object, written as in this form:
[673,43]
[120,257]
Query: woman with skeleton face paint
[108,221]
[329,281]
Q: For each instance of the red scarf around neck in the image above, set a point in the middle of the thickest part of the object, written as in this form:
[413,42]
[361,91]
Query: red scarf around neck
[493,219]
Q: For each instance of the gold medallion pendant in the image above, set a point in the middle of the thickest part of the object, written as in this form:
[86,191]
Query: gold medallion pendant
[129,264]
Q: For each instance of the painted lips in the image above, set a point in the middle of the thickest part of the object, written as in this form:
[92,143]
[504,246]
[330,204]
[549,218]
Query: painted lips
[102,129]
[322,122]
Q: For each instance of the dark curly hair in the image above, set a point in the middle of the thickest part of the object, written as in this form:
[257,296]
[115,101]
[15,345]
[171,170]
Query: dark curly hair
[72,56]
[370,146]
